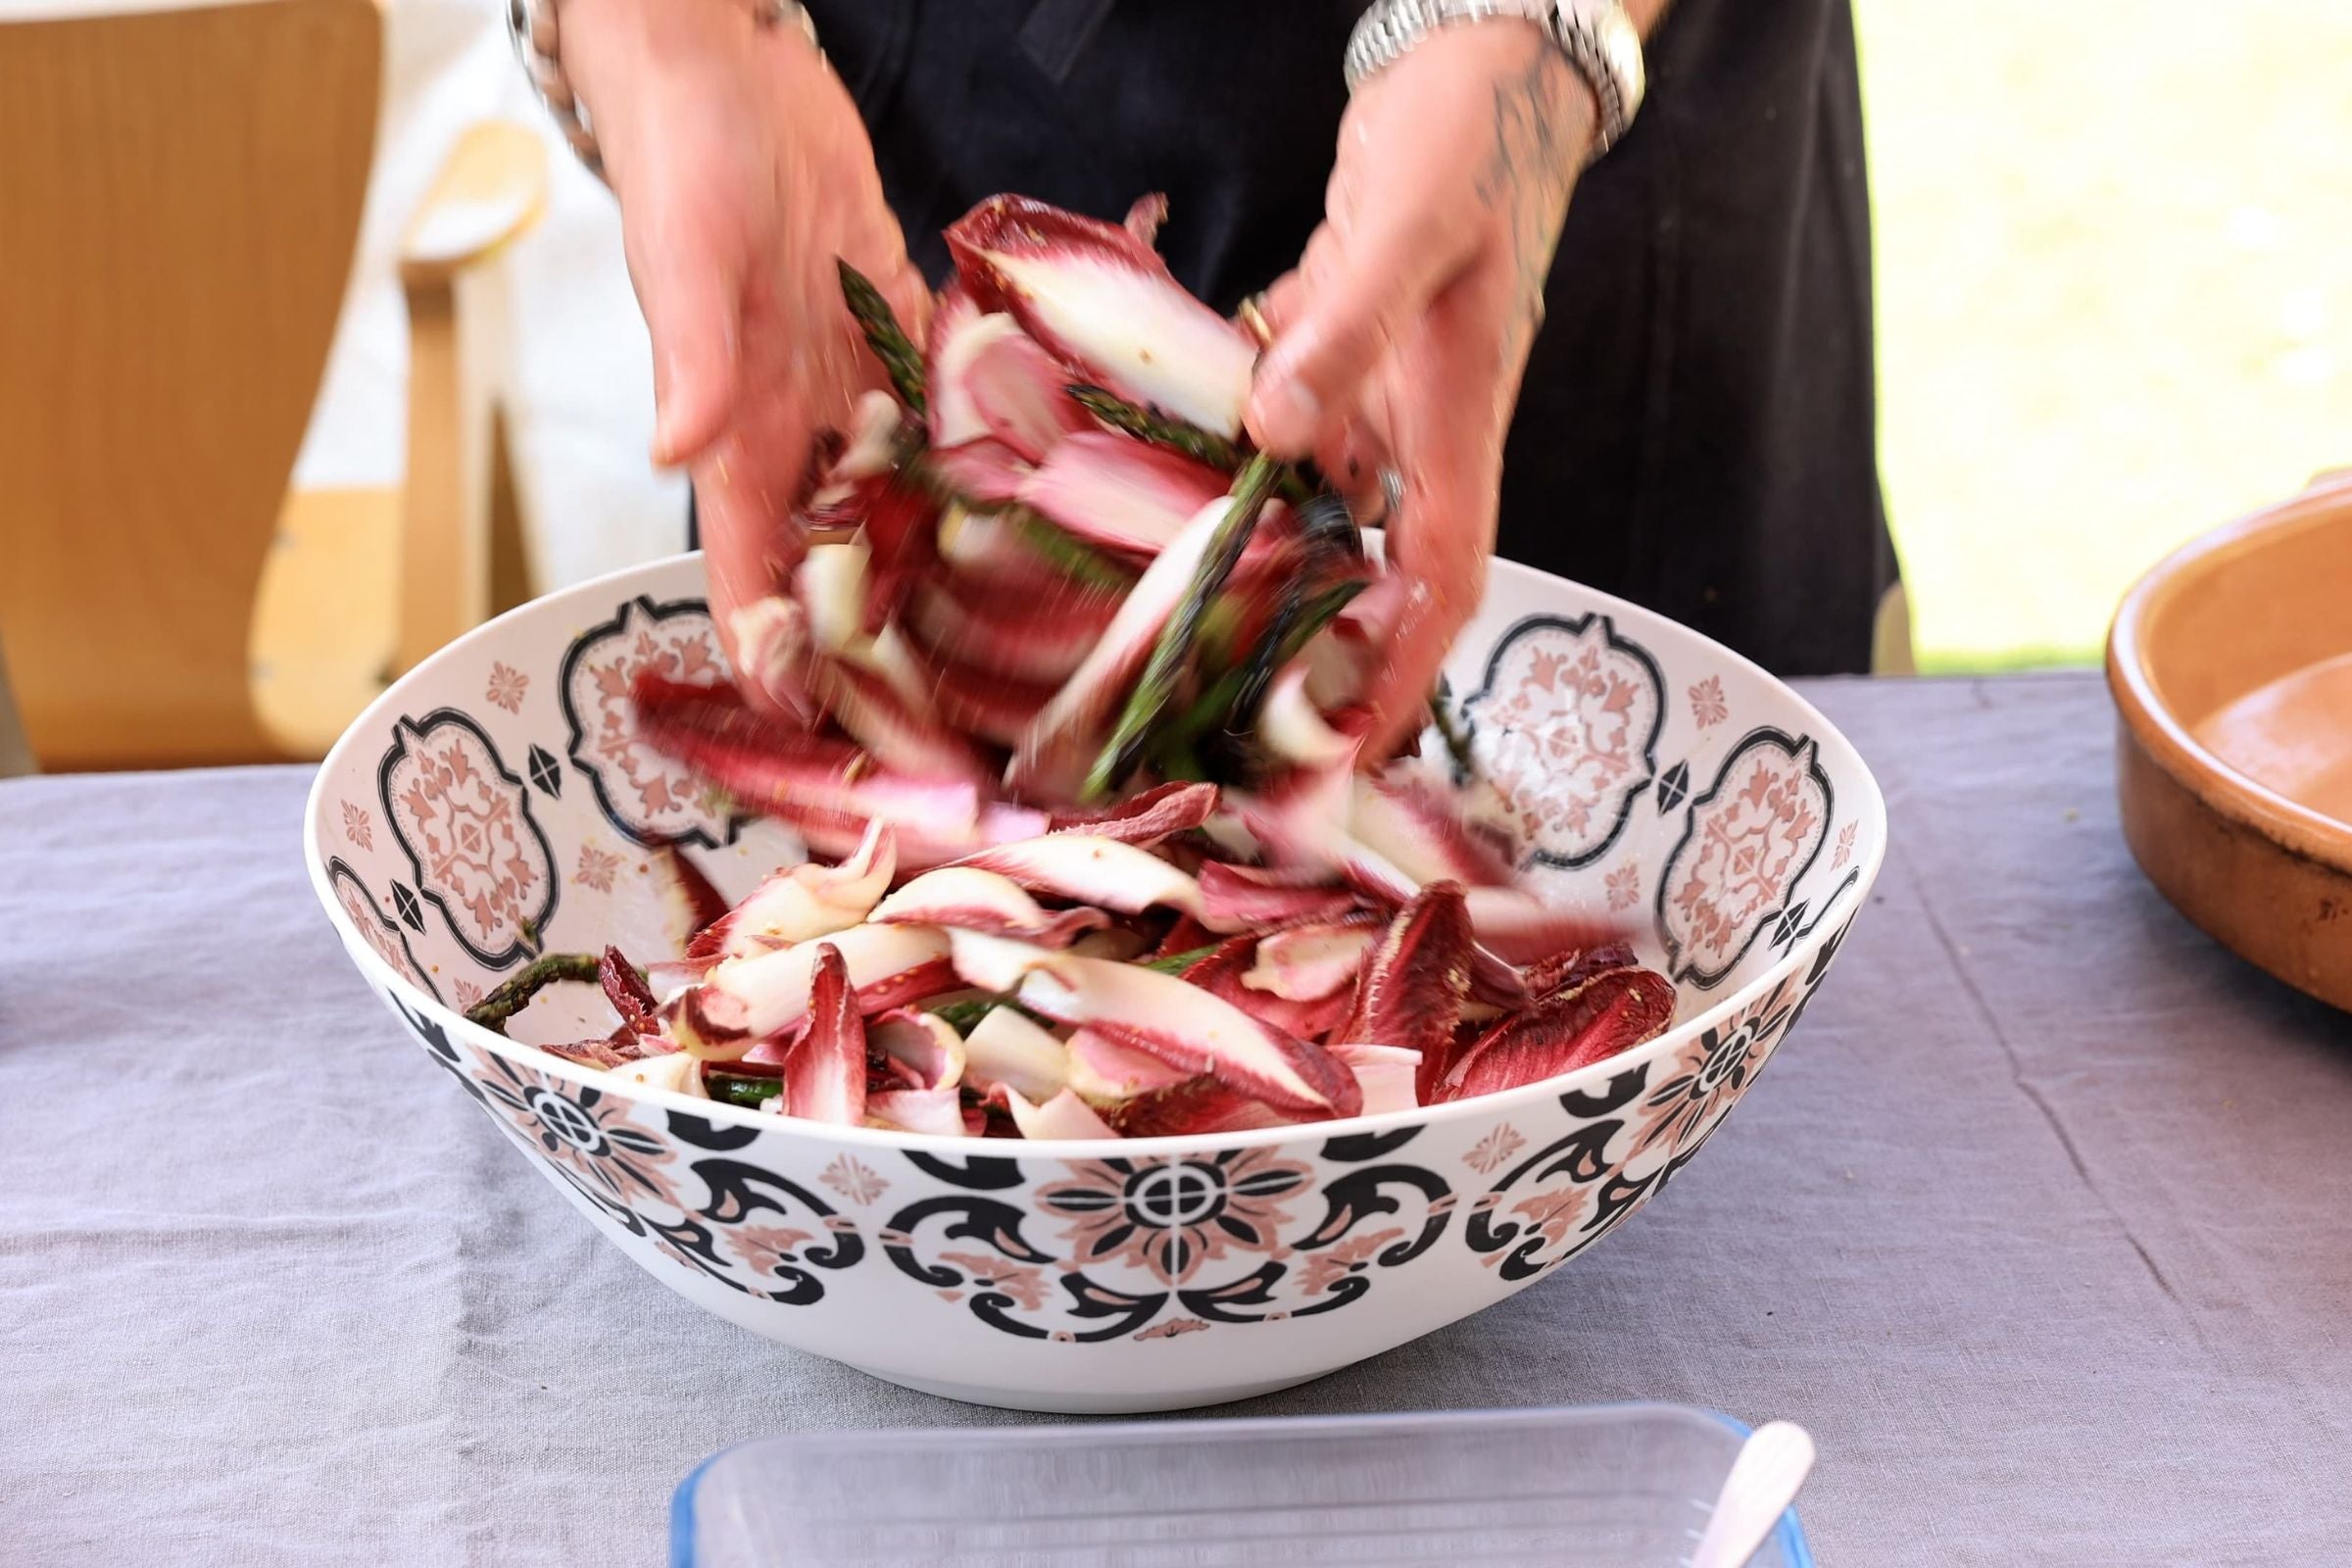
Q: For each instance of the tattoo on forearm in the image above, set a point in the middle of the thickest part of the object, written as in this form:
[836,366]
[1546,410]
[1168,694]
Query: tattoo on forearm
[1529,175]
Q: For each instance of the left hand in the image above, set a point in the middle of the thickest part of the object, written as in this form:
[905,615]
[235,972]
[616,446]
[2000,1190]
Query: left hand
[1401,337]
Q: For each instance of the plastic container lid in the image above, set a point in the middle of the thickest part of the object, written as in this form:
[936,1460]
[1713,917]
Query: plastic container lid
[1620,1486]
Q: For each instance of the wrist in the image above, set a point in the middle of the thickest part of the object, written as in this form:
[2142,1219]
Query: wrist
[589,58]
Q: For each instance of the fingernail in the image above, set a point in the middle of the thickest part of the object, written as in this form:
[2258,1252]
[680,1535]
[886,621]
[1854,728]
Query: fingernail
[1288,411]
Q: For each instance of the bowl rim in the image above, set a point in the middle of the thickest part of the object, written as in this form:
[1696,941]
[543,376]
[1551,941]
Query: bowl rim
[2234,796]
[726,1114]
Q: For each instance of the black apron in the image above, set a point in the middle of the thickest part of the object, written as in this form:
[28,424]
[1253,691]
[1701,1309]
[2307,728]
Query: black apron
[1697,430]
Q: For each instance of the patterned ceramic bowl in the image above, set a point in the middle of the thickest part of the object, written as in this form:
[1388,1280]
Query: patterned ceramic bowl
[493,803]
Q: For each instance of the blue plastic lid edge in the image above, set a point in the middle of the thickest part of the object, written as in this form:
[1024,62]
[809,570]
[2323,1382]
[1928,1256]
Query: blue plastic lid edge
[1789,1533]
[681,1511]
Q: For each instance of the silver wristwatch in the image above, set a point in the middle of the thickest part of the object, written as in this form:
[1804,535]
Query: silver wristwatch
[532,25]
[1596,35]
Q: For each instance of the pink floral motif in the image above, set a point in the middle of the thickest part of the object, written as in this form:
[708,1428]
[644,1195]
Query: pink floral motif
[1495,1150]
[467,824]
[1551,1212]
[1845,845]
[1707,705]
[377,930]
[1026,1286]
[470,996]
[1750,836]
[657,799]
[1565,728]
[763,1247]
[595,869]
[1691,1094]
[357,827]
[1336,1263]
[854,1180]
[1171,1328]
[1624,886]
[506,688]
[1169,1216]
[584,1133]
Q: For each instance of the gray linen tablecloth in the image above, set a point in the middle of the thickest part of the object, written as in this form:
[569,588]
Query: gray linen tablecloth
[2039,1223]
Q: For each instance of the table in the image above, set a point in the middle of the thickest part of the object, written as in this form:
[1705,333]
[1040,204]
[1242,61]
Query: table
[2039,1224]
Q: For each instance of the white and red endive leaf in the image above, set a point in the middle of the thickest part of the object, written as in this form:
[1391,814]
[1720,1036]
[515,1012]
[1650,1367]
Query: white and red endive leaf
[873,439]
[959,328]
[900,738]
[1120,493]
[1389,1076]
[746,1000]
[990,708]
[768,764]
[925,1047]
[996,964]
[1194,1108]
[825,1080]
[830,585]
[1610,1013]
[1159,812]
[1566,970]
[627,994]
[891,994]
[676,1071]
[1119,943]
[666,978]
[1188,1027]
[1415,981]
[1402,816]
[1105,301]
[1107,1074]
[1033,638]
[1006,1047]
[691,902]
[1341,661]
[1120,653]
[985,472]
[991,551]
[1145,217]
[1245,897]
[1089,868]
[1293,730]
[1524,929]
[965,898]
[1062,1117]
[937,1112]
[771,649]
[1308,962]
[1022,396]
[1220,975]
[806,900]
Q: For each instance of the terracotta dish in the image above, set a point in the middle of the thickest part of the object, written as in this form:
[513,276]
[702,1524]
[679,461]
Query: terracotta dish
[2231,667]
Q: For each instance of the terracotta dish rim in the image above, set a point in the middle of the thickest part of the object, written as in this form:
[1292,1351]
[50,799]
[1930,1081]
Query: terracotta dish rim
[2232,794]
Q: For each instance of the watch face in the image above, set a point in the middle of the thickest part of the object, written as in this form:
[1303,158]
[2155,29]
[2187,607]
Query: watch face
[1621,43]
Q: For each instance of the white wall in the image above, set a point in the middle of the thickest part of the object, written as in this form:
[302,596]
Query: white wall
[556,313]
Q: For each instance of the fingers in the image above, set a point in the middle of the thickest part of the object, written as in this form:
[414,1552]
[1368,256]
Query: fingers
[1376,283]
[750,547]
[687,257]
[1446,425]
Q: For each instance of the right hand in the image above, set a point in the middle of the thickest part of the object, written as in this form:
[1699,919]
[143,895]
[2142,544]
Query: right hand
[743,175]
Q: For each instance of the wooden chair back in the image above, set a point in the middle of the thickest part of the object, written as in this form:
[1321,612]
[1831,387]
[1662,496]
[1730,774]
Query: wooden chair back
[179,200]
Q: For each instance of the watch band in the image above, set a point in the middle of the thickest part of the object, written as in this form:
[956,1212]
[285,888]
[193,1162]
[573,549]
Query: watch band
[533,27]
[1596,35]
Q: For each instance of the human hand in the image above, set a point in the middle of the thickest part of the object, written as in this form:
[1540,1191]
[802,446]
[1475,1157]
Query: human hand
[1401,337]
[743,175]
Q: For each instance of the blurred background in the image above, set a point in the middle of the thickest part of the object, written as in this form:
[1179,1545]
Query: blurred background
[2112,298]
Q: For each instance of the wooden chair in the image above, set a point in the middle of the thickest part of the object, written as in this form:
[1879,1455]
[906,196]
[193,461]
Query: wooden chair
[179,199]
